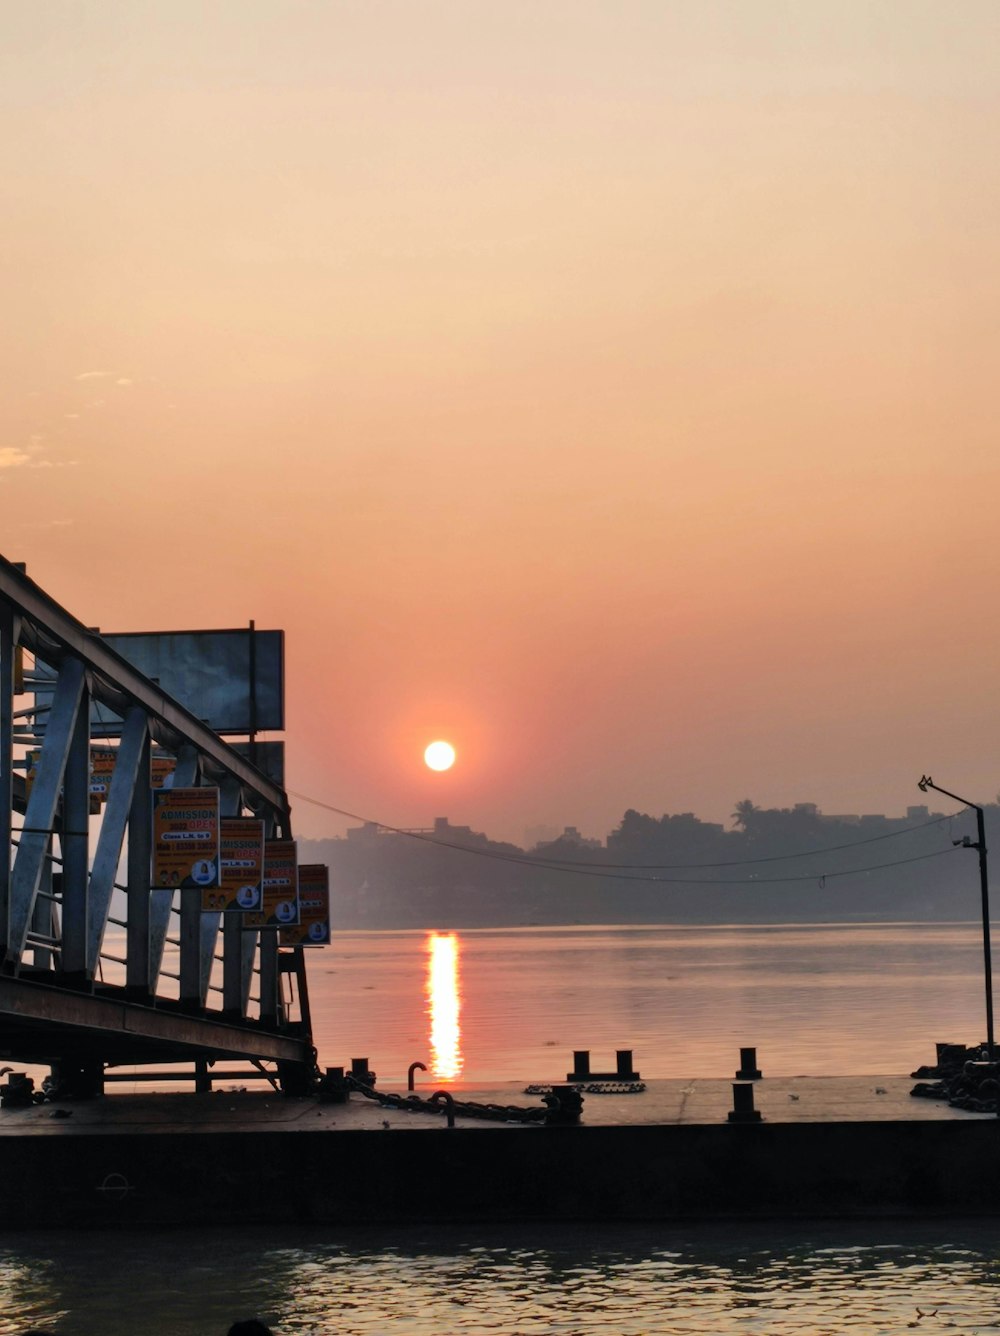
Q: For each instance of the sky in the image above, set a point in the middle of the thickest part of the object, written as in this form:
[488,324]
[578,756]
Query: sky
[607,388]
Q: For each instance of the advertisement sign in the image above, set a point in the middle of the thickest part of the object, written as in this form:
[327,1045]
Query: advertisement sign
[102,767]
[161,768]
[241,855]
[280,908]
[314,908]
[186,838]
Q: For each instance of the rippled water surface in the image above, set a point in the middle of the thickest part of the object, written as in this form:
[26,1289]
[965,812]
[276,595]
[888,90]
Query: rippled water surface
[511,1006]
[728,1279]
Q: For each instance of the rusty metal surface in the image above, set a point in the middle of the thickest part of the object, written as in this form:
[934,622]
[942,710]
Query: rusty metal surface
[803,1099]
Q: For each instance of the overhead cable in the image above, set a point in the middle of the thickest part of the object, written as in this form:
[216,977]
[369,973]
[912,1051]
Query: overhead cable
[608,870]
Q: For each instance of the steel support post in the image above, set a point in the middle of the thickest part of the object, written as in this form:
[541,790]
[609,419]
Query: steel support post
[160,900]
[138,975]
[74,837]
[268,941]
[233,993]
[190,969]
[305,1012]
[42,805]
[269,980]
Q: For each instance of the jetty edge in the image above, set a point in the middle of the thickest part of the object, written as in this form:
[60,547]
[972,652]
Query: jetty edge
[822,1147]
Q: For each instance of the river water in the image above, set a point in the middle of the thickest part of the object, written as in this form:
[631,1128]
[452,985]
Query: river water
[513,1006]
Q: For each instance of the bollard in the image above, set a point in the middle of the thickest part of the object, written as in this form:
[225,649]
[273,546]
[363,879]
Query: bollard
[581,1065]
[563,1105]
[413,1067]
[624,1060]
[743,1110]
[748,1065]
[360,1072]
[333,1087]
[581,1068]
[950,1056]
[18,1093]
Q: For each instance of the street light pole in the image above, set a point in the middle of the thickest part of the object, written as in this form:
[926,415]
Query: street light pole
[924,783]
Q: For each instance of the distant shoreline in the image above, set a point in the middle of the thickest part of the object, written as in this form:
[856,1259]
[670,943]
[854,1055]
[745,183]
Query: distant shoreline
[442,925]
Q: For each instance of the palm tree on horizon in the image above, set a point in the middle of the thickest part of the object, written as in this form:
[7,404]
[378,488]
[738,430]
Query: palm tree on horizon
[745,813]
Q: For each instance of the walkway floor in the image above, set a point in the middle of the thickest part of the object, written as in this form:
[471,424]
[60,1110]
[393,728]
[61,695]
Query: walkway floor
[796,1099]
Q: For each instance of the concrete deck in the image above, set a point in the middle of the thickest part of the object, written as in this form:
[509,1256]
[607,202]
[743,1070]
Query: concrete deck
[795,1099]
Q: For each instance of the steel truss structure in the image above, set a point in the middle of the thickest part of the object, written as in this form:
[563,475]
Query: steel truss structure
[81,988]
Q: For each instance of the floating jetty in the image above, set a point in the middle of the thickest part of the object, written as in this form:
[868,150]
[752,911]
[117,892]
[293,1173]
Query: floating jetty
[680,1150]
[331,1150]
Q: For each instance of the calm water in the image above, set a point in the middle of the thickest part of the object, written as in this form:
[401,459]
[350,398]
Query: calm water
[513,1005]
[837,1000]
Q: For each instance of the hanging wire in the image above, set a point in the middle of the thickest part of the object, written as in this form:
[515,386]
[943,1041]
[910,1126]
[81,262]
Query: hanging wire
[540,861]
[608,870]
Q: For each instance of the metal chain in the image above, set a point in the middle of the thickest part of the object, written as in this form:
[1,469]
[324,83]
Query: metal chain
[506,1113]
[594,1088]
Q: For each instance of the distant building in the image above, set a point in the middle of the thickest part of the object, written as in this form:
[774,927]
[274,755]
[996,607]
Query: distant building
[570,835]
[540,835]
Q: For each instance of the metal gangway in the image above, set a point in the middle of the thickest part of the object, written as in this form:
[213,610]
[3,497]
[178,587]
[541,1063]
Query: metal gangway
[99,969]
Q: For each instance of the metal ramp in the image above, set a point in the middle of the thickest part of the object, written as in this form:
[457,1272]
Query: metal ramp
[98,968]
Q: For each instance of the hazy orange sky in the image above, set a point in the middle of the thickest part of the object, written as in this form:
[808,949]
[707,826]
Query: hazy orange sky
[608,388]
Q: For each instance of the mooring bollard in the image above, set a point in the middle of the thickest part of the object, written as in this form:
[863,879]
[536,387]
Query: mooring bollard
[623,1057]
[413,1067]
[581,1065]
[748,1065]
[743,1110]
[564,1104]
[333,1087]
[360,1072]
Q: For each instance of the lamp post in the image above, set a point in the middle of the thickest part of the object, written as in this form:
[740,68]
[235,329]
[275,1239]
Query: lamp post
[924,783]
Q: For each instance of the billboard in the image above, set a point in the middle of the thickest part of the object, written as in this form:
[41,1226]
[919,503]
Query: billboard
[185,839]
[313,928]
[234,681]
[280,907]
[241,862]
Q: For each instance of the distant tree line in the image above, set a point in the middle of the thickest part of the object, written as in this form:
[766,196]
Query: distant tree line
[773,865]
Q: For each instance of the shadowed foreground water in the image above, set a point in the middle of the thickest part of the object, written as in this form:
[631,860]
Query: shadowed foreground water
[866,1278]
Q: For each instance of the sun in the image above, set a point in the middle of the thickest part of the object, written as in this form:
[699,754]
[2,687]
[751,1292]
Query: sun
[439,755]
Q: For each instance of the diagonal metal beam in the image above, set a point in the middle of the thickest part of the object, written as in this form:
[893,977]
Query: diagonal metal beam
[74,838]
[10,626]
[230,804]
[42,804]
[128,772]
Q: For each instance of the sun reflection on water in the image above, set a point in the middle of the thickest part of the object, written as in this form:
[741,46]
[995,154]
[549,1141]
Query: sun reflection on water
[444,1005]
